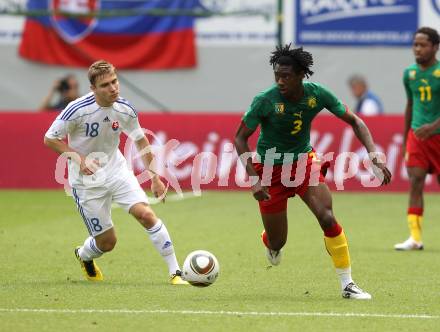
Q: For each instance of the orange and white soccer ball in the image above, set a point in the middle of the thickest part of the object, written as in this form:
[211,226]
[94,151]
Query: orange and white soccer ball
[200,268]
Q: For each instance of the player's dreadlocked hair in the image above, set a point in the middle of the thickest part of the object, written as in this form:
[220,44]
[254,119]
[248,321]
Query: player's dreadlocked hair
[432,34]
[299,59]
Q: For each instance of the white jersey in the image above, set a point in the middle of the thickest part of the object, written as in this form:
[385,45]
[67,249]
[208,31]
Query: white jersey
[94,132]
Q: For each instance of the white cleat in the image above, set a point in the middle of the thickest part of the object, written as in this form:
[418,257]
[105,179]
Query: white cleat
[352,291]
[274,256]
[409,244]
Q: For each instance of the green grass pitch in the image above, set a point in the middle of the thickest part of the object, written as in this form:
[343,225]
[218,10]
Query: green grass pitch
[38,271]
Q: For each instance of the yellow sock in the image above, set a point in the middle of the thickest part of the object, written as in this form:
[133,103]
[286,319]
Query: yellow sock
[337,247]
[415,226]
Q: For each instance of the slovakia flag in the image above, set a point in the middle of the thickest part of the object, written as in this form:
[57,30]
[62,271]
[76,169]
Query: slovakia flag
[136,42]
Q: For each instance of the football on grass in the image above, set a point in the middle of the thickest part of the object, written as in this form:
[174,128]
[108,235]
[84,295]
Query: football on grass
[200,268]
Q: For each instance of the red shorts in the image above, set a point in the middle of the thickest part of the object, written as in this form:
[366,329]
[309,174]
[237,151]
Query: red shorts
[300,180]
[423,154]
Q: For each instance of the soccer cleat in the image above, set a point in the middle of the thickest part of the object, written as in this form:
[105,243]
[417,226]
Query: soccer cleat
[176,279]
[352,291]
[274,256]
[409,244]
[91,270]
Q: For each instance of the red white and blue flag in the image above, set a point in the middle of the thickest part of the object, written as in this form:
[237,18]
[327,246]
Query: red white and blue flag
[137,42]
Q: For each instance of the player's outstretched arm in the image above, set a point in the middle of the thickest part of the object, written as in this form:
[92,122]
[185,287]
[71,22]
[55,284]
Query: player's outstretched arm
[241,144]
[157,186]
[363,134]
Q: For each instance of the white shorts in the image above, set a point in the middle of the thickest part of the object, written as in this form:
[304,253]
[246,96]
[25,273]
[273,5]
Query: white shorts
[94,204]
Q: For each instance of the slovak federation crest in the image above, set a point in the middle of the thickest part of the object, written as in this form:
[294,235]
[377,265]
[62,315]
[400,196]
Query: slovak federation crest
[115,125]
[73,29]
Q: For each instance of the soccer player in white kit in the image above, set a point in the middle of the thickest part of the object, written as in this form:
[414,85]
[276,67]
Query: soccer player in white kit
[98,172]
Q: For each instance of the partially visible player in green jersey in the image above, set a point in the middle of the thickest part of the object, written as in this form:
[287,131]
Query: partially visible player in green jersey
[422,127]
[285,112]
[421,87]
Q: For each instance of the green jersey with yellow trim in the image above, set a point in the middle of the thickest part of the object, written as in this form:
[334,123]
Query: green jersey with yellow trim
[423,89]
[285,125]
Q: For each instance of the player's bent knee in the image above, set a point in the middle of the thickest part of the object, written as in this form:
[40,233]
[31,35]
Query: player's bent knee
[106,244]
[142,211]
[147,218]
[326,219]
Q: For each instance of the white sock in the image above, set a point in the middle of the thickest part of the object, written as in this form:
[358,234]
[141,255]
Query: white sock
[89,250]
[344,276]
[162,242]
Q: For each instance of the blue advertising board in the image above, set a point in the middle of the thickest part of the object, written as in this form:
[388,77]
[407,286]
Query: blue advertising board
[350,23]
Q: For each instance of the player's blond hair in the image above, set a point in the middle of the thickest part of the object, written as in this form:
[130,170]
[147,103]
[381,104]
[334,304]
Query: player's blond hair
[98,69]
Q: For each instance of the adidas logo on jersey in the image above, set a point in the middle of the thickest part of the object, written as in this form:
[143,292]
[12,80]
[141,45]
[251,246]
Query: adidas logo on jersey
[106,119]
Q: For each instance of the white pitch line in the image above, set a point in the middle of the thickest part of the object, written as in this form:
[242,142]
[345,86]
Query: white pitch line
[218,313]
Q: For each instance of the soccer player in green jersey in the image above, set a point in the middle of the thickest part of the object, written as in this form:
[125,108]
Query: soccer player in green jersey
[285,112]
[422,127]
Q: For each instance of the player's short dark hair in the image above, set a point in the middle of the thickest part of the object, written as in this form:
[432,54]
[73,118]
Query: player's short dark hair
[432,34]
[299,59]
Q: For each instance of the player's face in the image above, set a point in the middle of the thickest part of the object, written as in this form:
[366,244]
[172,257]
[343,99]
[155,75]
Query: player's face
[106,89]
[424,50]
[287,80]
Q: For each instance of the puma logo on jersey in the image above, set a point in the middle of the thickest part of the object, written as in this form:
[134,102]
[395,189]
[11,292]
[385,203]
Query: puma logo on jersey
[424,81]
[299,115]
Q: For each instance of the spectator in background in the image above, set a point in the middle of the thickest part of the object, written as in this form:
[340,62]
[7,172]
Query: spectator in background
[67,89]
[367,102]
